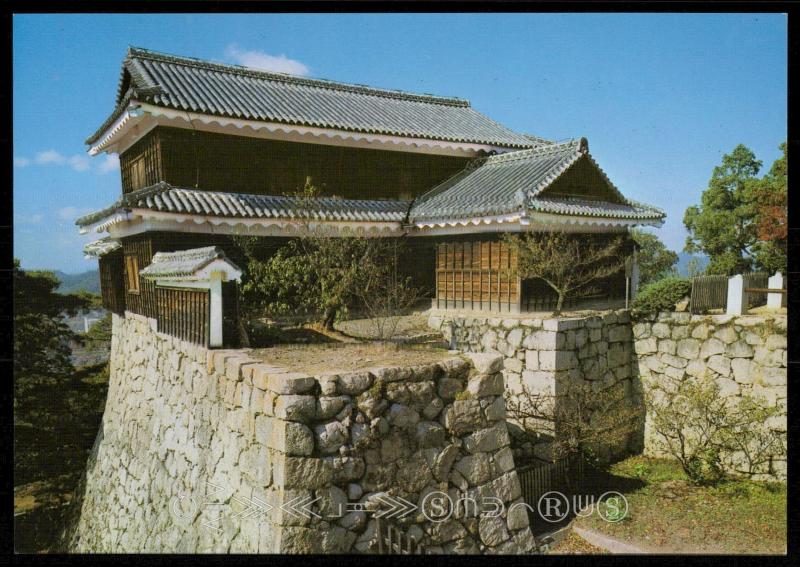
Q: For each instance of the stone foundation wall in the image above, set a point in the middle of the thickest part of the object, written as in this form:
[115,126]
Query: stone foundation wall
[215,451]
[743,355]
[548,356]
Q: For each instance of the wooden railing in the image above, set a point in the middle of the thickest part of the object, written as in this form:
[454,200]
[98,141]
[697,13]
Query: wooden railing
[708,292]
[756,280]
[392,540]
[183,313]
[566,475]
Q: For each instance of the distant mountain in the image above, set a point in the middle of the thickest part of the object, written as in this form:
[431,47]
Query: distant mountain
[683,262]
[71,283]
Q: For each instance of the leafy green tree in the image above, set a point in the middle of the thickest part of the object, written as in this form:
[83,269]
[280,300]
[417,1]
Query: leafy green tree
[723,226]
[655,260]
[41,338]
[771,196]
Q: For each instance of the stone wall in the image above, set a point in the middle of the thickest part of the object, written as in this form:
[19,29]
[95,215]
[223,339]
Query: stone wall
[549,355]
[215,451]
[743,355]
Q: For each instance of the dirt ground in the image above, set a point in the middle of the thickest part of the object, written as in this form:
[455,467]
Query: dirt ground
[332,357]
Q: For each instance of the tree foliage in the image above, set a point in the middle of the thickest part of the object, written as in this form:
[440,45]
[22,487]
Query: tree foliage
[771,194]
[661,295]
[324,276]
[41,338]
[568,263]
[738,222]
[655,260]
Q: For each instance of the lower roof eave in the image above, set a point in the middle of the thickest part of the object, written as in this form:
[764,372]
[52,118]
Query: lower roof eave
[520,222]
[138,221]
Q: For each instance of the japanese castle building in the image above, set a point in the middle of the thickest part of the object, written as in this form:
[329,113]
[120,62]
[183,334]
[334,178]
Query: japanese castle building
[208,151]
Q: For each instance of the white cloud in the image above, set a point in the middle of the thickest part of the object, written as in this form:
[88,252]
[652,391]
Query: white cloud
[109,163]
[50,157]
[79,162]
[37,218]
[265,62]
[71,213]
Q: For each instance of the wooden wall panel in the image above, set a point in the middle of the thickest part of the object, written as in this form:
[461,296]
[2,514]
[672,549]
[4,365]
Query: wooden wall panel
[112,281]
[473,274]
[219,162]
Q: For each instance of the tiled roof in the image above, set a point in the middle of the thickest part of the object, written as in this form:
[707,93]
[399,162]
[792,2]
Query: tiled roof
[514,181]
[184,263]
[589,208]
[233,91]
[166,198]
[101,247]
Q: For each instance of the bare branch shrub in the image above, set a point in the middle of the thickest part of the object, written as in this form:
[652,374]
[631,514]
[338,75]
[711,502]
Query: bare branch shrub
[713,436]
[570,264]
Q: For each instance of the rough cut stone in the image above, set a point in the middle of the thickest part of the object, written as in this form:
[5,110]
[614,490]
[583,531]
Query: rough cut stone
[739,349]
[290,383]
[483,385]
[485,363]
[720,364]
[330,436]
[487,440]
[354,383]
[688,348]
[474,468]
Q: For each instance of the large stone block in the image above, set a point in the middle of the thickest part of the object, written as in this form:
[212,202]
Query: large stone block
[720,364]
[544,340]
[688,348]
[294,407]
[489,439]
[354,383]
[330,437]
[483,385]
[739,349]
[476,469]
[726,334]
[464,416]
[485,363]
[711,347]
[301,472]
[557,360]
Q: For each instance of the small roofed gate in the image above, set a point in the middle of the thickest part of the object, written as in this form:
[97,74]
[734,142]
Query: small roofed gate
[196,295]
[477,276]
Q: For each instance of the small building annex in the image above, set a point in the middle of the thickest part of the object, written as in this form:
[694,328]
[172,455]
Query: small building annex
[208,151]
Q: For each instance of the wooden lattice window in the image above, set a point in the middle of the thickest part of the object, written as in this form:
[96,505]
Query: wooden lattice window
[132,273]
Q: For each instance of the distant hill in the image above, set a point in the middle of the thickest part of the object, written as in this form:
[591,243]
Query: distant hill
[683,262]
[71,283]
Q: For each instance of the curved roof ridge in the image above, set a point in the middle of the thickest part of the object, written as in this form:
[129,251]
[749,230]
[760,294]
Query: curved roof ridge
[545,149]
[138,52]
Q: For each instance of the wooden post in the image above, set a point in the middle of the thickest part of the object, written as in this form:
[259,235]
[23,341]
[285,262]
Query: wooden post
[737,297]
[215,310]
[775,300]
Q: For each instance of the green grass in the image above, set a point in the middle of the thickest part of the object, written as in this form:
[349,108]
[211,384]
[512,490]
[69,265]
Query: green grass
[668,514]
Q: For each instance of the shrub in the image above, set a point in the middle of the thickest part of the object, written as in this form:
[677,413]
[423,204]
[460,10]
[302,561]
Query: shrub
[712,436]
[661,295]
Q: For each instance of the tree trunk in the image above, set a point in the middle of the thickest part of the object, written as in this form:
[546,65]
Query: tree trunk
[329,318]
[559,303]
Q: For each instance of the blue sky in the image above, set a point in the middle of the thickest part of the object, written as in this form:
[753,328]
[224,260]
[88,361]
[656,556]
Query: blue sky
[660,97]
